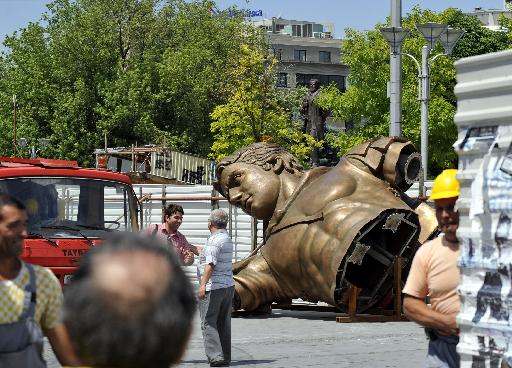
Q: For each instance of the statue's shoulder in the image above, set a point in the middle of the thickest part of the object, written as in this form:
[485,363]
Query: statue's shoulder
[380,145]
[384,157]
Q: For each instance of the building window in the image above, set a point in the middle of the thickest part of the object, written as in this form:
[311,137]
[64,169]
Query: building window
[299,55]
[296,30]
[324,56]
[282,79]
[299,80]
[302,30]
[307,30]
[338,80]
[278,54]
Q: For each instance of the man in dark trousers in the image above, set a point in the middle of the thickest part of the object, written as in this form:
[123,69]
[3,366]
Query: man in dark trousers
[216,290]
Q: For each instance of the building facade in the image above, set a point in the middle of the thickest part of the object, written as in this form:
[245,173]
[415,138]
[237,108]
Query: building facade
[490,18]
[305,50]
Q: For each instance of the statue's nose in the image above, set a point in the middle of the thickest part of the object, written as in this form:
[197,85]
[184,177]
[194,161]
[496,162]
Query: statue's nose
[235,196]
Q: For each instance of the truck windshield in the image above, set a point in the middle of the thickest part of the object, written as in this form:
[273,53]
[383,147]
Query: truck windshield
[71,207]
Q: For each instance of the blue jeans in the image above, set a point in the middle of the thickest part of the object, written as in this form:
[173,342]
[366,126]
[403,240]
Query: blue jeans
[442,352]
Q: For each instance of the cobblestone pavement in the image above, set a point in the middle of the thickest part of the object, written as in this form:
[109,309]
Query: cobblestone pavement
[311,339]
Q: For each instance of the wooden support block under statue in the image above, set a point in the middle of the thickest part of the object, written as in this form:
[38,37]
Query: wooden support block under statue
[376,315]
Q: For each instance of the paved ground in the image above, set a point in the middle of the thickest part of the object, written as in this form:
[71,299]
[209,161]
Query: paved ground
[313,339]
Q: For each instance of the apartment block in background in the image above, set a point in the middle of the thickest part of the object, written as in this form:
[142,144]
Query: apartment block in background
[305,50]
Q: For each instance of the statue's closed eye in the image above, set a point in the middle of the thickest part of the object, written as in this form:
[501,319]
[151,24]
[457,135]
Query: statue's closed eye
[235,180]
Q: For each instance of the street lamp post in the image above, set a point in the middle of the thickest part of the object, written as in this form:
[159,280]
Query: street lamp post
[424,97]
[43,142]
[395,76]
[431,32]
[14,124]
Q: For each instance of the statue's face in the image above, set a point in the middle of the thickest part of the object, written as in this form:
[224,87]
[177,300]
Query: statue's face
[251,188]
[314,85]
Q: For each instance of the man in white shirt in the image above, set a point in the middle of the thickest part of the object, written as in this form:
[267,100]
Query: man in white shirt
[216,290]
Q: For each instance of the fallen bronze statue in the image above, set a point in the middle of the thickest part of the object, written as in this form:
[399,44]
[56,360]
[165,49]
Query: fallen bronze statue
[326,229]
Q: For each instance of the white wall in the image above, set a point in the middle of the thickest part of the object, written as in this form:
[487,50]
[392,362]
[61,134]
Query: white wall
[195,220]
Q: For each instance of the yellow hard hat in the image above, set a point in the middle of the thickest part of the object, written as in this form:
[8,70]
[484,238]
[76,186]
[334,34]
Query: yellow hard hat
[445,185]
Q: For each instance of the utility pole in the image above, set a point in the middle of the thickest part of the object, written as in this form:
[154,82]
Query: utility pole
[14,125]
[395,84]
[425,98]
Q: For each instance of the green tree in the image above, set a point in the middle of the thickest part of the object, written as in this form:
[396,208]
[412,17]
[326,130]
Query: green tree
[366,104]
[140,71]
[34,104]
[196,71]
[257,110]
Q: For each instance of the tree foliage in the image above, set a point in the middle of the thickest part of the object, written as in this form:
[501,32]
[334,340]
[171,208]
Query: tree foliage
[258,111]
[365,101]
[140,71]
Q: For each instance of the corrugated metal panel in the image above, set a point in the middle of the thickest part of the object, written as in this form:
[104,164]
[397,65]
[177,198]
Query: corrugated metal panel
[195,220]
[183,167]
[484,119]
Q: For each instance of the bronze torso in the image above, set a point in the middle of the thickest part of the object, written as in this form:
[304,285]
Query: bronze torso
[306,246]
[339,226]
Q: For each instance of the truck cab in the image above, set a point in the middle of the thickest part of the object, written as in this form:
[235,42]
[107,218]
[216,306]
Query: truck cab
[70,209]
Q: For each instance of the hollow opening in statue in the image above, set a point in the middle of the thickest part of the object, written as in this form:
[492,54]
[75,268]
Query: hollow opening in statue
[369,262]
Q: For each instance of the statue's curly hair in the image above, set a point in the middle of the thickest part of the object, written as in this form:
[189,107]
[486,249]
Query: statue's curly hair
[268,156]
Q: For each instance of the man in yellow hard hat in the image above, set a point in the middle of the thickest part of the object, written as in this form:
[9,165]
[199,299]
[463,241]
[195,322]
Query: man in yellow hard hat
[434,274]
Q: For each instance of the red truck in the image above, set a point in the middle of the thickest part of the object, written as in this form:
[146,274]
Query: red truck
[70,208]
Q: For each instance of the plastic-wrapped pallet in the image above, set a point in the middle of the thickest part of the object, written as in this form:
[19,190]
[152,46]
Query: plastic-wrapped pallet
[484,119]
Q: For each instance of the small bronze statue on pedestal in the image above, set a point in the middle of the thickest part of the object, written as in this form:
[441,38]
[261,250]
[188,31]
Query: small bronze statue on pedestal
[314,119]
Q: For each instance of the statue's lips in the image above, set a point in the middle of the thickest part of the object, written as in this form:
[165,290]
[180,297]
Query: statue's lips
[247,203]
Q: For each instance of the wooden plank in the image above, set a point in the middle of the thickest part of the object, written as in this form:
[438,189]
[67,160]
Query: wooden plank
[397,287]
[381,315]
[352,300]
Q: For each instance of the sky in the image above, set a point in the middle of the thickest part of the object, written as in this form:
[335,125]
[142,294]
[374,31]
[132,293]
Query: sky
[357,14]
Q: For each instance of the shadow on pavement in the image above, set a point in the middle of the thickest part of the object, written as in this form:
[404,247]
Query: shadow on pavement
[251,362]
[244,362]
[283,313]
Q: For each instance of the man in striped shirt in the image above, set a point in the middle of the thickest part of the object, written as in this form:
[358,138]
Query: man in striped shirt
[216,290]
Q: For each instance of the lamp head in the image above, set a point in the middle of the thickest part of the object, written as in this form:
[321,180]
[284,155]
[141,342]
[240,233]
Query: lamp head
[22,142]
[395,37]
[431,32]
[449,39]
[43,142]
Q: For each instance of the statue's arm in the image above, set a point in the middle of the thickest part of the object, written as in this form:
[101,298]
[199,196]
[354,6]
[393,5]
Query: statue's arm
[304,114]
[255,284]
[305,106]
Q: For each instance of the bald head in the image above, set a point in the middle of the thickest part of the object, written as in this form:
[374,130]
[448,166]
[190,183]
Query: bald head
[129,305]
[131,280]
